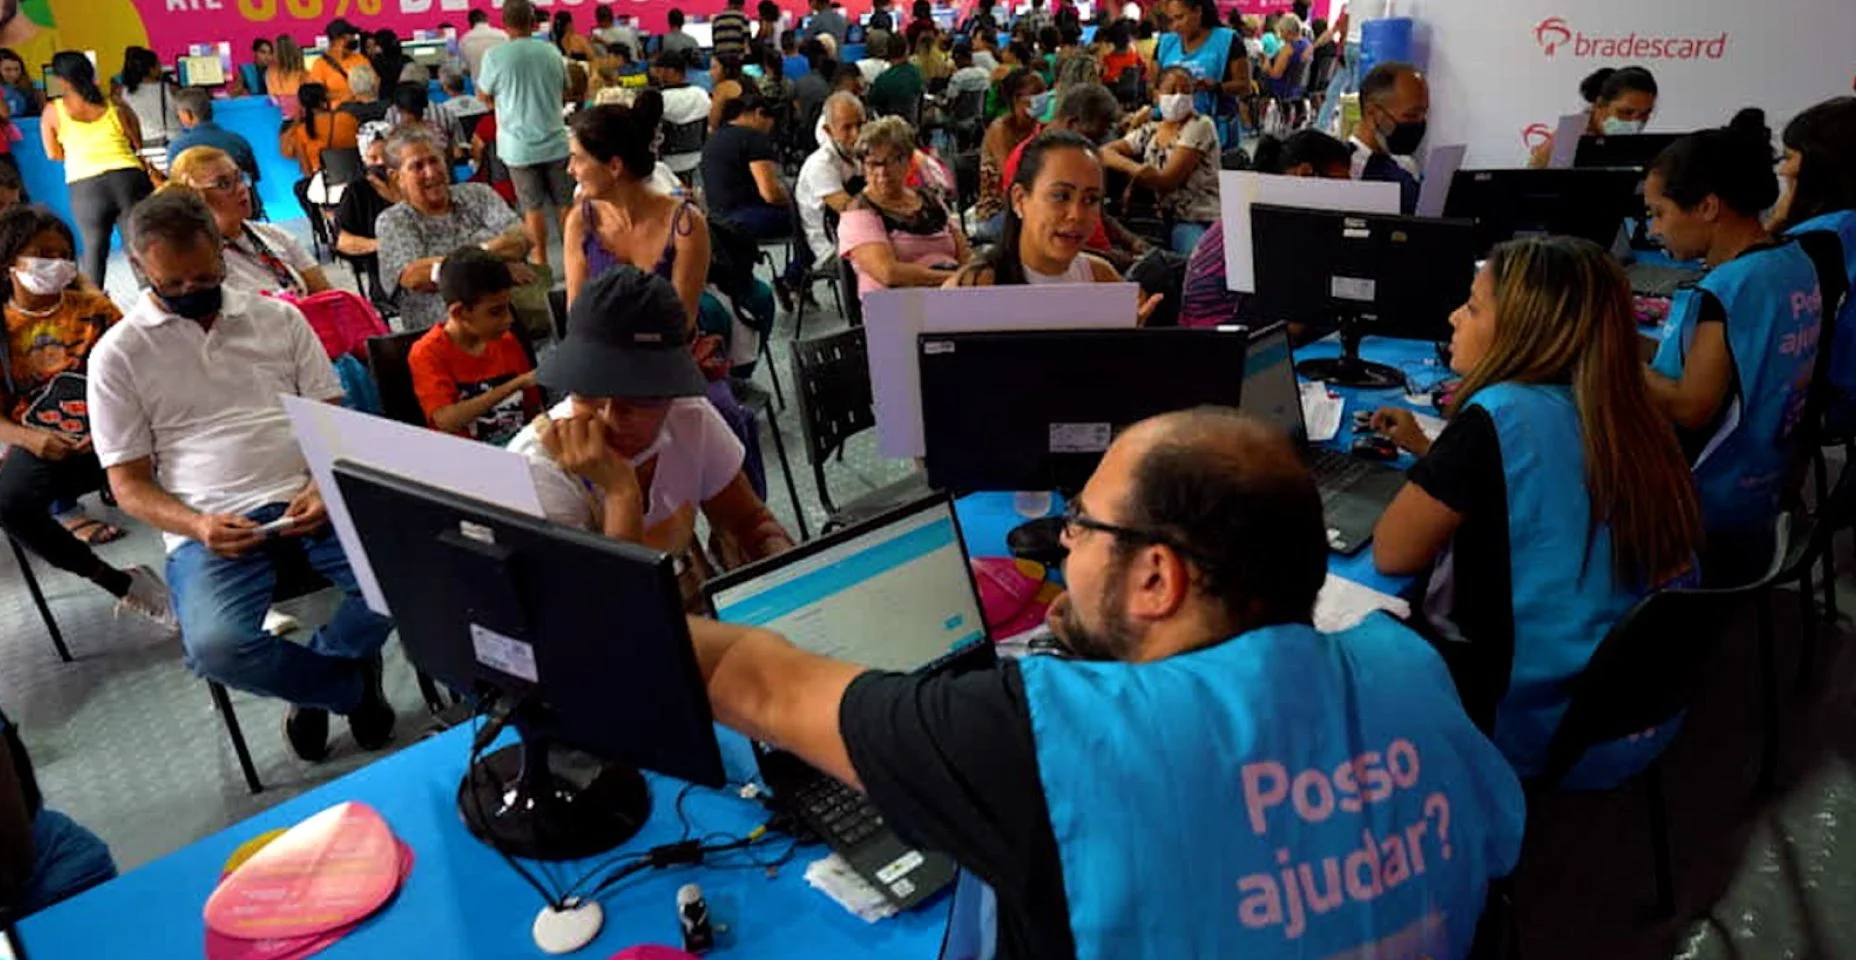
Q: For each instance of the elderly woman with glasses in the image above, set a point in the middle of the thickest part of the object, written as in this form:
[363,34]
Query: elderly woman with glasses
[260,257]
[894,234]
[433,218]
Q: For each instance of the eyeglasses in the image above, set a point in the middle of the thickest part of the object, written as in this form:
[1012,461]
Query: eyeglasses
[1074,519]
[226,183]
[887,163]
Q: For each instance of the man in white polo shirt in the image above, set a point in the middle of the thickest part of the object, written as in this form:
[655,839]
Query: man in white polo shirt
[824,177]
[185,415]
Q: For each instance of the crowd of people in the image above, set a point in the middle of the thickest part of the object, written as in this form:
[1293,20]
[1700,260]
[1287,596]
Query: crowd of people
[1199,541]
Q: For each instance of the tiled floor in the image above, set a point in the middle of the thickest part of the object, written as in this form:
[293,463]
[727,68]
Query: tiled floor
[128,743]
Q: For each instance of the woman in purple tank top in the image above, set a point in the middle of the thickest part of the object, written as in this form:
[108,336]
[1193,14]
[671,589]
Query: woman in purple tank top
[620,218]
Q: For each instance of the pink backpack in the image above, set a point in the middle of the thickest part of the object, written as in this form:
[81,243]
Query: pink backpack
[341,318]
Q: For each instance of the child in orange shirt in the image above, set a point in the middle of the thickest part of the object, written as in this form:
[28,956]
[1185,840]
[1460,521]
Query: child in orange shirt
[470,373]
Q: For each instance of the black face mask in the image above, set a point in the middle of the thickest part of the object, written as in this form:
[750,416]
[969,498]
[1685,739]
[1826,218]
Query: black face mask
[195,304]
[377,170]
[1404,138]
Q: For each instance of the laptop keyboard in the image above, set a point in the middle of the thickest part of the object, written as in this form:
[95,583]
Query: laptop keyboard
[1659,280]
[844,817]
[1335,471]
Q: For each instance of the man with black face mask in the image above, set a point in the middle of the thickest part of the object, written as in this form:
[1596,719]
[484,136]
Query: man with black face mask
[1395,102]
[1159,792]
[343,56]
[185,417]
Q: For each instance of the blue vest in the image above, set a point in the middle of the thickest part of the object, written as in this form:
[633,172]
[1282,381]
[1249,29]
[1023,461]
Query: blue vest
[1773,316]
[1565,597]
[1284,792]
[1840,413]
[1206,63]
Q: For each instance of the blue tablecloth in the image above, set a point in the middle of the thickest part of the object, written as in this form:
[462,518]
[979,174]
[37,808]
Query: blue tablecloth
[462,901]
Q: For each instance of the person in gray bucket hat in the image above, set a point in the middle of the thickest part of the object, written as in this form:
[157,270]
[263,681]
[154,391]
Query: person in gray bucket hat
[636,449]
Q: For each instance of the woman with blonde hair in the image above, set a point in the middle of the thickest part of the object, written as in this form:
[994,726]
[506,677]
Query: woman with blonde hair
[259,257]
[1556,498]
[894,234]
[286,74]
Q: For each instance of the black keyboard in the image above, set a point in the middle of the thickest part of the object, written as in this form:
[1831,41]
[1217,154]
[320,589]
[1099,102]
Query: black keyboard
[1335,471]
[838,814]
[1659,280]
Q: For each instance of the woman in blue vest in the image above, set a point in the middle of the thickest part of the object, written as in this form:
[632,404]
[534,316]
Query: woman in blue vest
[1820,204]
[1556,498]
[1738,350]
[1212,54]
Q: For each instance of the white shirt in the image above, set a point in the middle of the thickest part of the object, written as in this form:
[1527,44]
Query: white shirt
[973,79]
[1363,153]
[822,175]
[245,271]
[1131,11]
[619,35]
[204,404]
[1360,11]
[871,68]
[685,105]
[984,60]
[697,458]
[477,42]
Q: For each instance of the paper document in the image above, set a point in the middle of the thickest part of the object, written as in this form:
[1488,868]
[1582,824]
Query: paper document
[1238,190]
[1440,167]
[1432,427]
[893,319]
[1321,411]
[328,433]
[1566,141]
[1343,603]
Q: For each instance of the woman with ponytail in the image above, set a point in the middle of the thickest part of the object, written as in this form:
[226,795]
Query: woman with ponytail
[1555,499]
[1738,351]
[1819,208]
[97,138]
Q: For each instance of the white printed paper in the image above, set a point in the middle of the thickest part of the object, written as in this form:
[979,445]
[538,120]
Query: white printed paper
[1440,167]
[1343,603]
[1566,141]
[1239,189]
[504,653]
[893,319]
[1320,411]
[327,433]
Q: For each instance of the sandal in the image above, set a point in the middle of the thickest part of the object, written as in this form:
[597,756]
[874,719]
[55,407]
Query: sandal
[94,532]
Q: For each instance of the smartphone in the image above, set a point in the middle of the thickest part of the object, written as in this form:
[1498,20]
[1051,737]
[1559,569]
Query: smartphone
[276,526]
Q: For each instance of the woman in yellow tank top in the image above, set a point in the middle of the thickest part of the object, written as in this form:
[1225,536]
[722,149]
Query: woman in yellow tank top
[97,138]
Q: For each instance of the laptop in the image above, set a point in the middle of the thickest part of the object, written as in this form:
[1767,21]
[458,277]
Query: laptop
[61,406]
[894,593]
[1354,491]
[1659,279]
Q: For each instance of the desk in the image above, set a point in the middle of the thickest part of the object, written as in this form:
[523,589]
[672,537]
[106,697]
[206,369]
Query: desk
[462,901]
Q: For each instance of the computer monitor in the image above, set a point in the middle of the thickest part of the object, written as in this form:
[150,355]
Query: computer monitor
[1634,150]
[576,639]
[906,570]
[428,55]
[1590,203]
[54,84]
[701,31]
[1271,392]
[1388,276]
[309,59]
[1034,410]
[203,71]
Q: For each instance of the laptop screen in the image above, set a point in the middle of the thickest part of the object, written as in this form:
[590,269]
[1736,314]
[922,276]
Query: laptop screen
[1270,392]
[897,596]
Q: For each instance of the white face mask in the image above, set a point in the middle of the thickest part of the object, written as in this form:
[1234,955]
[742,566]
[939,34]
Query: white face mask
[43,275]
[1175,107]
[1619,128]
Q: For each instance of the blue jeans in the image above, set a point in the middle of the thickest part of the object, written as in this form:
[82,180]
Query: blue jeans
[67,860]
[221,603]
[768,222]
[1346,79]
[1186,236]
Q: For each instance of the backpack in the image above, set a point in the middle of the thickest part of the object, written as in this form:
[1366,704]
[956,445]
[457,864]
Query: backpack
[342,319]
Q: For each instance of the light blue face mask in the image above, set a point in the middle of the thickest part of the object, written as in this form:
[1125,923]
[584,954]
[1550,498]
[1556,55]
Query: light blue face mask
[1614,127]
[1040,104]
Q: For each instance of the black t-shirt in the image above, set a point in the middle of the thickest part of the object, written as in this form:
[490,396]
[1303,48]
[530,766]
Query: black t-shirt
[361,206]
[726,177]
[1474,591]
[949,760]
[1709,309]
[366,112]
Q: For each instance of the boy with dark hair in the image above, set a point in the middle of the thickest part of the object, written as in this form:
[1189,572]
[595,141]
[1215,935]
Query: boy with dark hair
[470,373]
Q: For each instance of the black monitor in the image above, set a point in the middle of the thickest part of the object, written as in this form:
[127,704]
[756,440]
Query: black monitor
[575,639]
[1592,203]
[1034,410]
[1632,150]
[1389,276]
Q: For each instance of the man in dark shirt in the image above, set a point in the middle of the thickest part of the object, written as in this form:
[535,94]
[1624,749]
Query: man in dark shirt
[897,92]
[1102,797]
[729,31]
[741,171]
[362,203]
[880,18]
[812,87]
[827,19]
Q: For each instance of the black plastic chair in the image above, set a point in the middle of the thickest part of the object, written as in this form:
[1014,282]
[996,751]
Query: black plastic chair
[852,303]
[387,359]
[813,273]
[759,402]
[1643,675]
[832,385]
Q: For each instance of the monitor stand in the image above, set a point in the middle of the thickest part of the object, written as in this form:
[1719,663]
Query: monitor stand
[533,800]
[1348,370]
